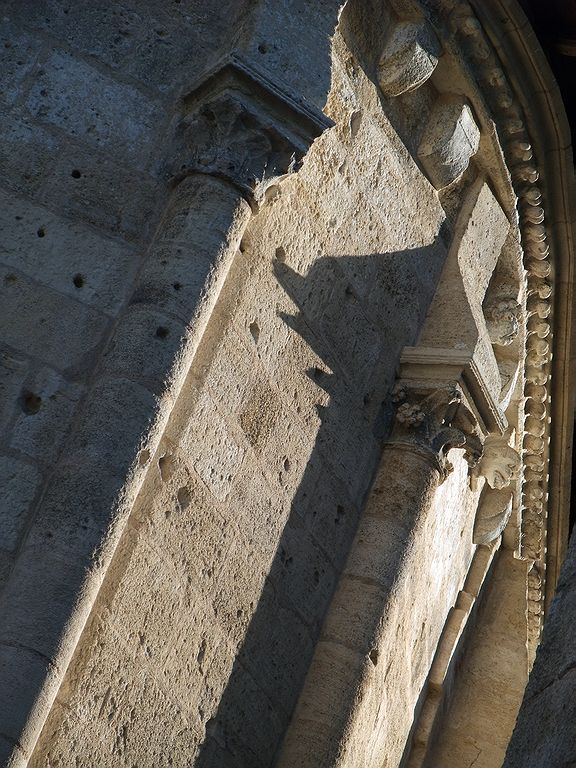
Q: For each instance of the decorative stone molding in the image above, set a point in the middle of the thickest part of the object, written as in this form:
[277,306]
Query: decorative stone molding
[239,126]
[459,23]
[494,510]
[434,421]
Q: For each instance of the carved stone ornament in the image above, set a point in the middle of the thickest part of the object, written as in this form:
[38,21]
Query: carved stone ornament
[238,126]
[503,315]
[433,422]
[494,509]
[499,463]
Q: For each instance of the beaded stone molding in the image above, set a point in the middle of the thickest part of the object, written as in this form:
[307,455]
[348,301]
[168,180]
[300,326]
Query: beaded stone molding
[454,22]
[464,30]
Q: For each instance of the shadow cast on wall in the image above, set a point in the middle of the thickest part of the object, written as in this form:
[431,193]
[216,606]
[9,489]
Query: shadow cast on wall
[356,313]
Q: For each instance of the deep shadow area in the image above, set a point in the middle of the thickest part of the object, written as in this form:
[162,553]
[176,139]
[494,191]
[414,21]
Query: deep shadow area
[554,23]
[356,313]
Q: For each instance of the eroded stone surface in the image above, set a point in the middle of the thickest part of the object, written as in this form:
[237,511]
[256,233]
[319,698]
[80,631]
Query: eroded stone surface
[450,140]
[409,58]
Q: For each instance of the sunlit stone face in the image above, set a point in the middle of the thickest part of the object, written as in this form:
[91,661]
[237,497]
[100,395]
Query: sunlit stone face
[499,463]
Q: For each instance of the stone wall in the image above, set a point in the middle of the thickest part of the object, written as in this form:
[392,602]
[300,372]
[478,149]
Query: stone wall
[87,95]
[210,611]
[211,286]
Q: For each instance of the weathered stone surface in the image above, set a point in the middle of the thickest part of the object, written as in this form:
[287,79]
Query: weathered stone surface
[48,404]
[20,483]
[489,689]
[208,287]
[58,330]
[409,58]
[450,140]
[119,118]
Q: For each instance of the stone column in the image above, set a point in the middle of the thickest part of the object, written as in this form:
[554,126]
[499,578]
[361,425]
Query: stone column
[232,139]
[345,715]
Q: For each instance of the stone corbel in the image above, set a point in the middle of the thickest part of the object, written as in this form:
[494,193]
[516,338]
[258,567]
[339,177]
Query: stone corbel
[239,126]
[432,421]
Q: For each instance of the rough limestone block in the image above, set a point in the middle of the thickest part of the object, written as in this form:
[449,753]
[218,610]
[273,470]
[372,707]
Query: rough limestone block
[39,607]
[211,448]
[204,212]
[47,403]
[450,140]
[18,54]
[19,483]
[186,657]
[368,559]
[27,152]
[409,57]
[114,423]
[174,278]
[147,604]
[302,573]
[545,730]
[259,416]
[334,671]
[244,699]
[192,532]
[141,718]
[257,510]
[237,593]
[287,451]
[24,671]
[59,331]
[68,257]
[108,195]
[330,514]
[94,108]
[13,370]
[355,340]
[78,507]
[231,373]
[273,656]
[345,623]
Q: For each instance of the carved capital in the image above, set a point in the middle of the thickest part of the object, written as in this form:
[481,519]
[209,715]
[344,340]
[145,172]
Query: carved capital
[238,125]
[433,422]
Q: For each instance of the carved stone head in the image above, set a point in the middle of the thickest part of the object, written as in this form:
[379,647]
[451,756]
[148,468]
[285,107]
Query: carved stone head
[500,463]
[502,320]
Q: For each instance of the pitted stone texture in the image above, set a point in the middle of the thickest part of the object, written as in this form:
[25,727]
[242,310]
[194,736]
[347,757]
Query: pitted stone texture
[93,107]
[47,403]
[489,685]
[252,499]
[18,54]
[409,58]
[450,141]
[57,330]
[19,482]
[91,269]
